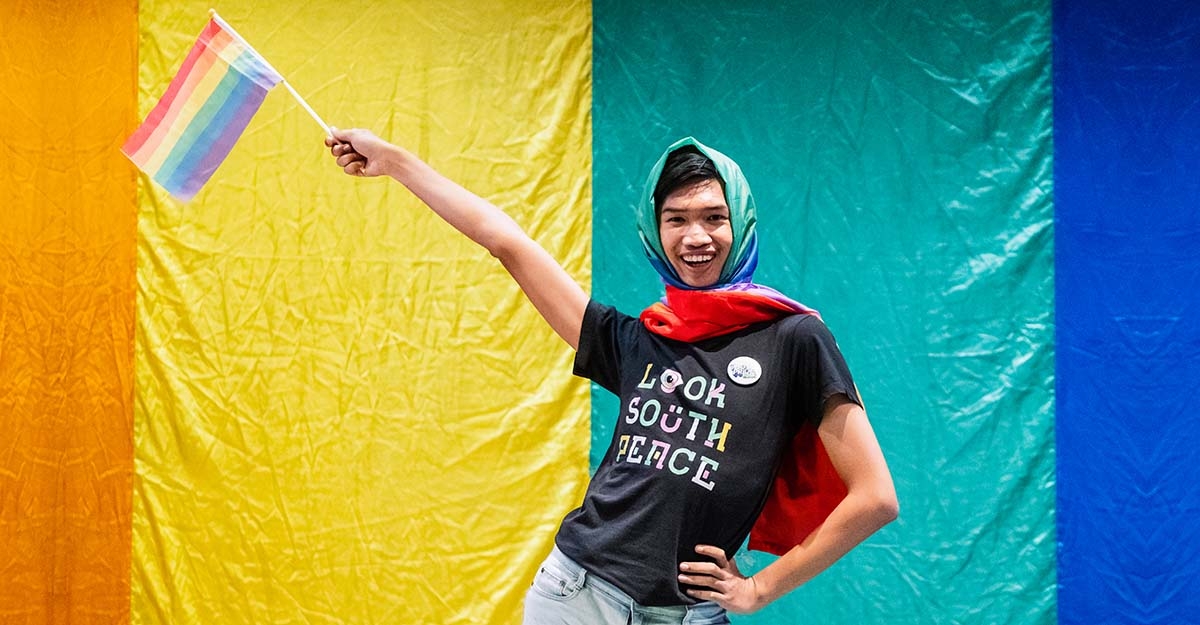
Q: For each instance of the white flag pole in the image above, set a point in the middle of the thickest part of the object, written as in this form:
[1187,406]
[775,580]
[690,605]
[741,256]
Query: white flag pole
[226,26]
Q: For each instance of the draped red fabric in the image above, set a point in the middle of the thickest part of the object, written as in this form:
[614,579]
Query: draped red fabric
[690,316]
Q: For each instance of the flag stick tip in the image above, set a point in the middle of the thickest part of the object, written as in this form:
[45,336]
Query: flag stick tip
[212,12]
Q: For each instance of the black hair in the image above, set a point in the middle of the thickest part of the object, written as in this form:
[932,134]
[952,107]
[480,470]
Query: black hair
[685,167]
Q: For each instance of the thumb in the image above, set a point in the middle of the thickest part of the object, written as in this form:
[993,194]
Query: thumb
[341,136]
[334,137]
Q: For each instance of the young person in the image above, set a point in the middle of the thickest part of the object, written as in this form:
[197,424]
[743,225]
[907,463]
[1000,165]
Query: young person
[733,398]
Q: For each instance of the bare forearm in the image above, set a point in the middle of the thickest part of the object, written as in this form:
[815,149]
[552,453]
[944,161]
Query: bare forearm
[468,213]
[852,522]
[558,298]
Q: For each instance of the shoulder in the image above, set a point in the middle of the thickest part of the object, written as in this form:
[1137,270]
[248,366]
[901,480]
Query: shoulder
[799,327]
[599,312]
[806,336]
[603,319]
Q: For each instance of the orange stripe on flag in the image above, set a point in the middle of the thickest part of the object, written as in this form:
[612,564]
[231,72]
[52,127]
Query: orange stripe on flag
[199,78]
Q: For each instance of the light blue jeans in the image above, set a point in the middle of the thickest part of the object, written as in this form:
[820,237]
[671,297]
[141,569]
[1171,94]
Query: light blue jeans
[564,593]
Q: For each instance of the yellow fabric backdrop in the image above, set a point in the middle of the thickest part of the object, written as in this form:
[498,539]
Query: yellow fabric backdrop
[67,72]
[345,411]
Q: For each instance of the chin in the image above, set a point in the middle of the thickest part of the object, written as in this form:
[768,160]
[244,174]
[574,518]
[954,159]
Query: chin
[701,284]
[696,282]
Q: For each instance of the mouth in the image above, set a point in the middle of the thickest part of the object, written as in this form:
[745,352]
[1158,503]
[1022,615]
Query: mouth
[697,260]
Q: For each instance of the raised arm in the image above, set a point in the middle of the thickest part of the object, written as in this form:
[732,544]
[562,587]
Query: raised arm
[556,295]
[870,504]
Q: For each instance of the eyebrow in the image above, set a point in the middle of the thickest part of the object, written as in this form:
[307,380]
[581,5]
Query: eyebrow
[718,207]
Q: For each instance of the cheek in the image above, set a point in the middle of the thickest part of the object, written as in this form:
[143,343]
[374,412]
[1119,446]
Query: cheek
[666,239]
[725,236]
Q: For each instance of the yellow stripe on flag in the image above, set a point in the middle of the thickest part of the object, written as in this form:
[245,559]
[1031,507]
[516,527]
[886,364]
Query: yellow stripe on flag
[190,105]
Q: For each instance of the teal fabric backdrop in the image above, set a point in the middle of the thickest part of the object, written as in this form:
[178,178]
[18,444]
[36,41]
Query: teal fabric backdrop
[901,159]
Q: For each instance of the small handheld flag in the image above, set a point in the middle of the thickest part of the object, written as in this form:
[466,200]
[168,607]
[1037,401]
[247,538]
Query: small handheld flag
[221,85]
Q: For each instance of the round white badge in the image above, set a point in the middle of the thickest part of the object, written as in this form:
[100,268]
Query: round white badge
[744,370]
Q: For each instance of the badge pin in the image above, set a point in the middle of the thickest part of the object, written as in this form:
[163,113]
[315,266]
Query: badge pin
[744,370]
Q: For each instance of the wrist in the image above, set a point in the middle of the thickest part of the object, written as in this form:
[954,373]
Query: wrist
[393,160]
[402,164]
[760,590]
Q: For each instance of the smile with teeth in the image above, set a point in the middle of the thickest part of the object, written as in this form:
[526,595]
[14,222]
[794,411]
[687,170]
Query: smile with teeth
[698,259]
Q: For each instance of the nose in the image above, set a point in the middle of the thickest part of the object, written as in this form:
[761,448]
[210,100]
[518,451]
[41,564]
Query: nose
[696,235]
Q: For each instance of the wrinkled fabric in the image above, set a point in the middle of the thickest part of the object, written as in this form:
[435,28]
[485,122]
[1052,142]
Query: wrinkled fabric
[67,242]
[1127,274]
[345,409]
[901,161]
[901,154]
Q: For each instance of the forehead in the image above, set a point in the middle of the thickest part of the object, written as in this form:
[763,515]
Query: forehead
[703,195]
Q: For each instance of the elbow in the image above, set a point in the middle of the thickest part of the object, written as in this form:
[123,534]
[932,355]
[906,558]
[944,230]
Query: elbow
[885,508]
[890,511]
[878,508]
[505,245]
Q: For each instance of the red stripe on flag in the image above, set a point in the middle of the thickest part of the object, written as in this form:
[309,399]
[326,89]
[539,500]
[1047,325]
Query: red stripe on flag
[134,143]
[208,58]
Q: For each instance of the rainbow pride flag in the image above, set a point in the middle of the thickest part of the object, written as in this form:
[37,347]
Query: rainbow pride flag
[207,106]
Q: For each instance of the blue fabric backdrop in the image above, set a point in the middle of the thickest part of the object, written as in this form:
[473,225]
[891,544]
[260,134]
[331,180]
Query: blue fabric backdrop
[1126,123]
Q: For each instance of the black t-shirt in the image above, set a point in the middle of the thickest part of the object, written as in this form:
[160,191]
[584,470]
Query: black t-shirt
[695,448]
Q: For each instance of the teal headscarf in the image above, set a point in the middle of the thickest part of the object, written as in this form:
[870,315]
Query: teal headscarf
[743,257]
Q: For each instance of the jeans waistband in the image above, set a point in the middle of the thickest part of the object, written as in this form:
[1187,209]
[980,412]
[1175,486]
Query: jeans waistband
[580,577]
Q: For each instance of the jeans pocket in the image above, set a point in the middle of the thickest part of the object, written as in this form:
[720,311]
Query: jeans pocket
[554,583]
[706,613]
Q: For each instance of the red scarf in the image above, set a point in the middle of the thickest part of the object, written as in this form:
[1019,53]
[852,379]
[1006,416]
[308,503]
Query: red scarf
[806,487]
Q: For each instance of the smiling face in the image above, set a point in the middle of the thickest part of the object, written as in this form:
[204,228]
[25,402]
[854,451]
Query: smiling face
[695,232]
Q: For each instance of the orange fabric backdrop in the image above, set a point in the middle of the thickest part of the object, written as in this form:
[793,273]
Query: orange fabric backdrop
[67,244]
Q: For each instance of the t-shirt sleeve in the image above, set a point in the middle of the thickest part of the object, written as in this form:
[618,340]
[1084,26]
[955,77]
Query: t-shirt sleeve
[599,353]
[820,370]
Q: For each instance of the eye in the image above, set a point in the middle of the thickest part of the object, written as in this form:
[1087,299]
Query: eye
[718,218]
[674,219]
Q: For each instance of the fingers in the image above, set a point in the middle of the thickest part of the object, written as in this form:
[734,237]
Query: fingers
[350,161]
[337,135]
[339,143]
[358,152]
[344,153]
[709,587]
[353,163]
[715,575]
[707,573]
[716,579]
[702,581]
[339,148]
[706,595]
[715,553]
[720,562]
[719,581]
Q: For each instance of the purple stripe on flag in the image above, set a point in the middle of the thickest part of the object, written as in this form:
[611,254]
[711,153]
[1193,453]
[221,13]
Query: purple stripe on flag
[211,135]
[207,161]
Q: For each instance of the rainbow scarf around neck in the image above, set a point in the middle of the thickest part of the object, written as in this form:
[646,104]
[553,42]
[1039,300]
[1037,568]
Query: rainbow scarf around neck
[696,315]
[806,487]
